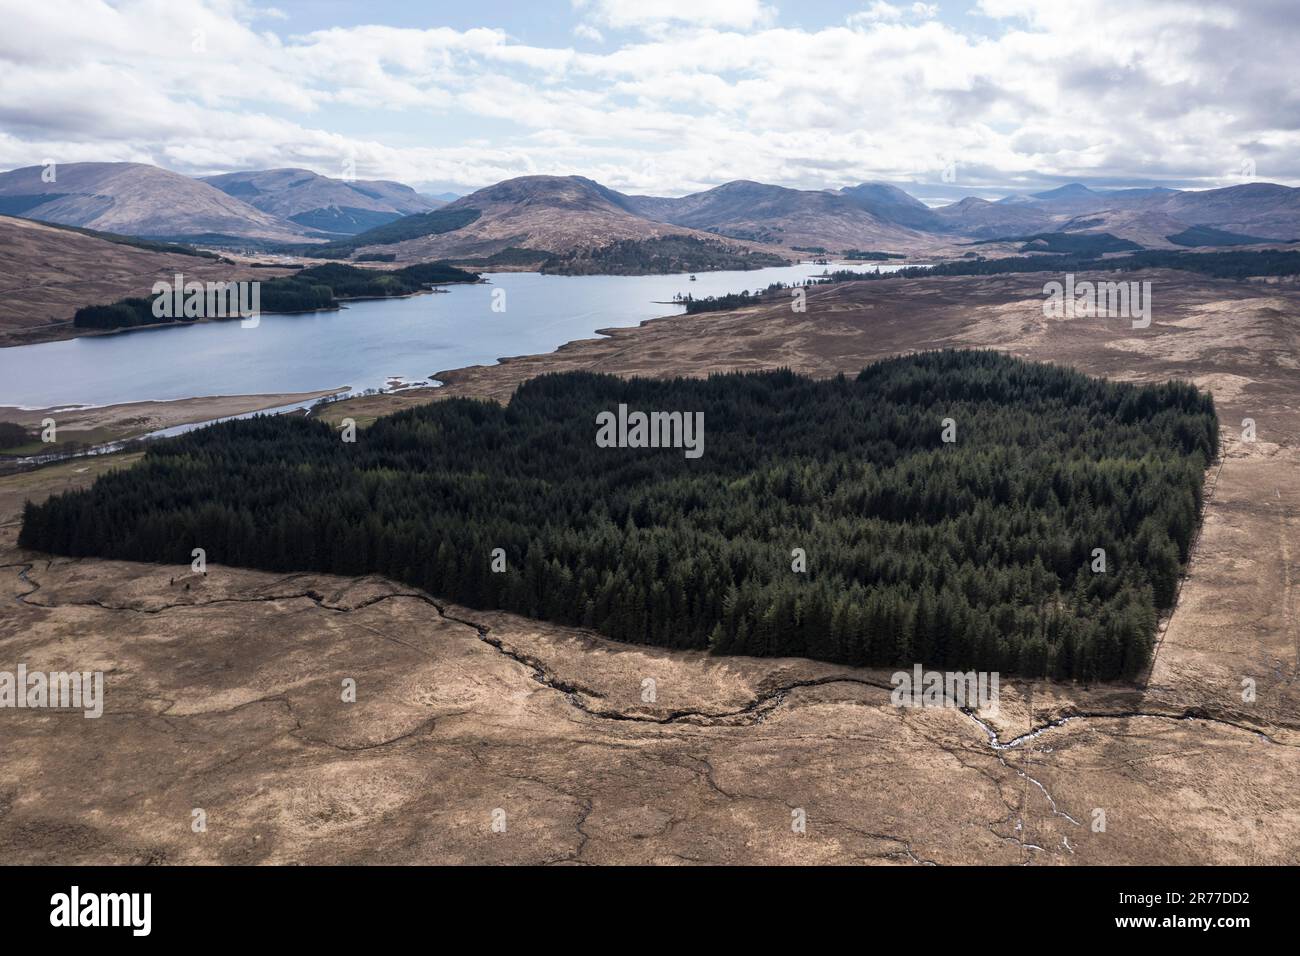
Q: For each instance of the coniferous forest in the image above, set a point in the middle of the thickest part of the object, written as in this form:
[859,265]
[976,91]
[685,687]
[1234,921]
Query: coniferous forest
[977,553]
[661,255]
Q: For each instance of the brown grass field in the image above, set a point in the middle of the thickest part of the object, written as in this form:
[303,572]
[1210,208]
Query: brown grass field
[224,692]
[50,273]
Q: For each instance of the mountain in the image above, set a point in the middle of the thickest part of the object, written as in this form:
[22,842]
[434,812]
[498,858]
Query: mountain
[1255,209]
[552,214]
[564,214]
[893,205]
[1074,192]
[1148,227]
[1071,199]
[531,218]
[1138,192]
[981,219]
[136,199]
[420,225]
[777,216]
[1077,197]
[1146,215]
[342,207]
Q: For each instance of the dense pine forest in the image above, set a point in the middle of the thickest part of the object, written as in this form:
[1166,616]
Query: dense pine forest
[662,255]
[972,553]
[734,300]
[866,254]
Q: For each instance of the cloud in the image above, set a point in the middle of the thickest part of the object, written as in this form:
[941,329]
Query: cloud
[881,11]
[643,14]
[677,96]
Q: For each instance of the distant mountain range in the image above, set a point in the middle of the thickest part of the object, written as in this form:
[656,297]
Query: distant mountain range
[315,202]
[541,216]
[269,206]
[553,215]
[135,199]
[559,214]
[790,218]
[1259,212]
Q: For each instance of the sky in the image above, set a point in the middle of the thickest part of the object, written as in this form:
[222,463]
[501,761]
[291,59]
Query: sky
[664,97]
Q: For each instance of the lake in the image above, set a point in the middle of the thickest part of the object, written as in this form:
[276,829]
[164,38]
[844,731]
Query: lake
[365,345]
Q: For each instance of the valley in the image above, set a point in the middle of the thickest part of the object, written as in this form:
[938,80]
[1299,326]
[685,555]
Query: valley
[234,676]
[593,725]
[264,224]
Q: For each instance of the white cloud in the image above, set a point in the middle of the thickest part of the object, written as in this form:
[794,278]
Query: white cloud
[642,14]
[881,11]
[702,92]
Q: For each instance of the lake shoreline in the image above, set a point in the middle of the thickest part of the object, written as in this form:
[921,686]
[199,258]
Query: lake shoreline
[65,330]
[123,421]
[73,332]
[368,344]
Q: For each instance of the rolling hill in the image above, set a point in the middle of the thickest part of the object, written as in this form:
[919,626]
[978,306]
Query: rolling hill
[1149,228]
[789,218]
[1255,209]
[420,225]
[524,221]
[571,215]
[980,219]
[321,203]
[1261,212]
[51,271]
[894,205]
[137,199]
[558,215]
